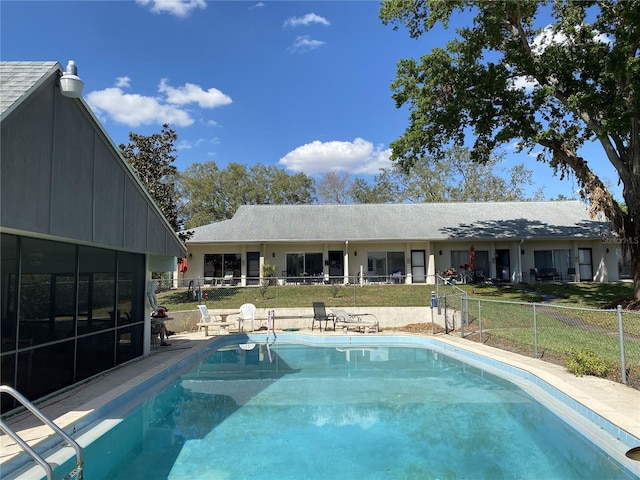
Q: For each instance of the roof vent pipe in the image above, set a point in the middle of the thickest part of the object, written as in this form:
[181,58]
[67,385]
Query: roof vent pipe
[70,83]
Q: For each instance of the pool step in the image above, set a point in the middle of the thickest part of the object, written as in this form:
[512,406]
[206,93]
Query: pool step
[75,474]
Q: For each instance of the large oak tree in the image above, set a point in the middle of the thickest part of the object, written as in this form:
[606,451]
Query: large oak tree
[152,157]
[559,84]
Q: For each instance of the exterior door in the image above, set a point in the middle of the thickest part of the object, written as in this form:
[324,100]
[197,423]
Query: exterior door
[418,267]
[336,265]
[585,264]
[253,268]
[503,266]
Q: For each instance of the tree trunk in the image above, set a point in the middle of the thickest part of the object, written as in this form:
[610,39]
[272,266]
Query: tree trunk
[630,233]
[635,262]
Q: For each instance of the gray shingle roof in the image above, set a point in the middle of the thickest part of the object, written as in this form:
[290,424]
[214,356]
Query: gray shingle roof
[406,222]
[18,79]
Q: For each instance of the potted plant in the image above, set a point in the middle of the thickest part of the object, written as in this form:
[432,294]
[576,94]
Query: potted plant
[269,273]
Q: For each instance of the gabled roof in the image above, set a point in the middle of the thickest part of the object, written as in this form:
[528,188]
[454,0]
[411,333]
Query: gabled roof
[19,79]
[403,222]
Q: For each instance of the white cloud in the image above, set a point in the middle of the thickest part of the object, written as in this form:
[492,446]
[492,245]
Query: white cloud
[123,82]
[133,109]
[304,43]
[308,19]
[179,8]
[524,83]
[257,5]
[548,37]
[190,93]
[358,157]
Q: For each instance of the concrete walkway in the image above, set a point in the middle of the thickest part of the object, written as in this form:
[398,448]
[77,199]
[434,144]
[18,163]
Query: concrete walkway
[615,402]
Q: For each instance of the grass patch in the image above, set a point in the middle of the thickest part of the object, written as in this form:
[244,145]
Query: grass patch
[587,295]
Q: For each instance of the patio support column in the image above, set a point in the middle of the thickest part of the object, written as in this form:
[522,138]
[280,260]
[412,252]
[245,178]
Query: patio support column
[325,259]
[408,274]
[431,262]
[519,275]
[346,262]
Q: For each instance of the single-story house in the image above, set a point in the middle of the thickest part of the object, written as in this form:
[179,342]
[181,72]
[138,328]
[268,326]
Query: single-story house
[80,237]
[405,243]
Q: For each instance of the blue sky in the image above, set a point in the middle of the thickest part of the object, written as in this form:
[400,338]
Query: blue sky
[301,85]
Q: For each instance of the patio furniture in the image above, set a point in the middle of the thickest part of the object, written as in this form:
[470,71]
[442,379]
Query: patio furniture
[349,320]
[550,273]
[535,275]
[247,312]
[571,274]
[320,315]
[227,279]
[207,320]
[478,276]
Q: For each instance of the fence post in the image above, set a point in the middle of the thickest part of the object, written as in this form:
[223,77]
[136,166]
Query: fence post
[623,366]
[480,318]
[535,331]
[446,323]
[462,321]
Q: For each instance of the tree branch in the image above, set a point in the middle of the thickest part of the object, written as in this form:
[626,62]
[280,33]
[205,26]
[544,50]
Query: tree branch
[591,186]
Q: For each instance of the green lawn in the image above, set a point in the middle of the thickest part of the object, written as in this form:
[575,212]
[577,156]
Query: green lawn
[587,295]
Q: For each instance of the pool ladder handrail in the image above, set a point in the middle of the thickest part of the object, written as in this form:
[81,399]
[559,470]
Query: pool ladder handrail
[76,473]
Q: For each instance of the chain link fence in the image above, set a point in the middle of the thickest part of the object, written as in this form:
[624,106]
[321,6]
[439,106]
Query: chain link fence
[555,333]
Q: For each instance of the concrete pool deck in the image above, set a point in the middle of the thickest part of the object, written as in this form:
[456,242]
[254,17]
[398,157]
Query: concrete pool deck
[615,402]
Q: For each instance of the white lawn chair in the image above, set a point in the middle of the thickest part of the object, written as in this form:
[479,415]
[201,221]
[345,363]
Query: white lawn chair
[247,312]
[209,320]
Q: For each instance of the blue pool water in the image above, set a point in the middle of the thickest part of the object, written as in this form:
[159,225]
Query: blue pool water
[343,412]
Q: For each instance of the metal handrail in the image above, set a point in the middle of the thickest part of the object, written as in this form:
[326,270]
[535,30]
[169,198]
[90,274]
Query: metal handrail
[30,451]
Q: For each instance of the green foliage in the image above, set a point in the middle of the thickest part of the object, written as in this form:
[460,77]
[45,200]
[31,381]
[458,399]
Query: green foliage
[585,362]
[336,288]
[264,287]
[151,158]
[504,80]
[269,270]
[454,179]
[269,273]
[212,195]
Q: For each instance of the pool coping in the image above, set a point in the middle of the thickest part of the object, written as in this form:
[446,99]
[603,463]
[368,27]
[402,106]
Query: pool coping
[611,406]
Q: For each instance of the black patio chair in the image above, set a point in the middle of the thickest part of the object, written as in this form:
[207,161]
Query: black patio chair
[320,315]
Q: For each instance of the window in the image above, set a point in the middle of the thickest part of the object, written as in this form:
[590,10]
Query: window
[217,264]
[303,264]
[558,259]
[385,263]
[459,258]
[481,262]
[72,312]
[625,266]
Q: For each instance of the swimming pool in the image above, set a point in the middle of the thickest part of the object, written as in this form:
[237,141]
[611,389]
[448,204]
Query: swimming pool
[325,407]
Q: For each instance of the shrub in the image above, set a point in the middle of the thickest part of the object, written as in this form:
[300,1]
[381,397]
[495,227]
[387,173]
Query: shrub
[264,286]
[585,362]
